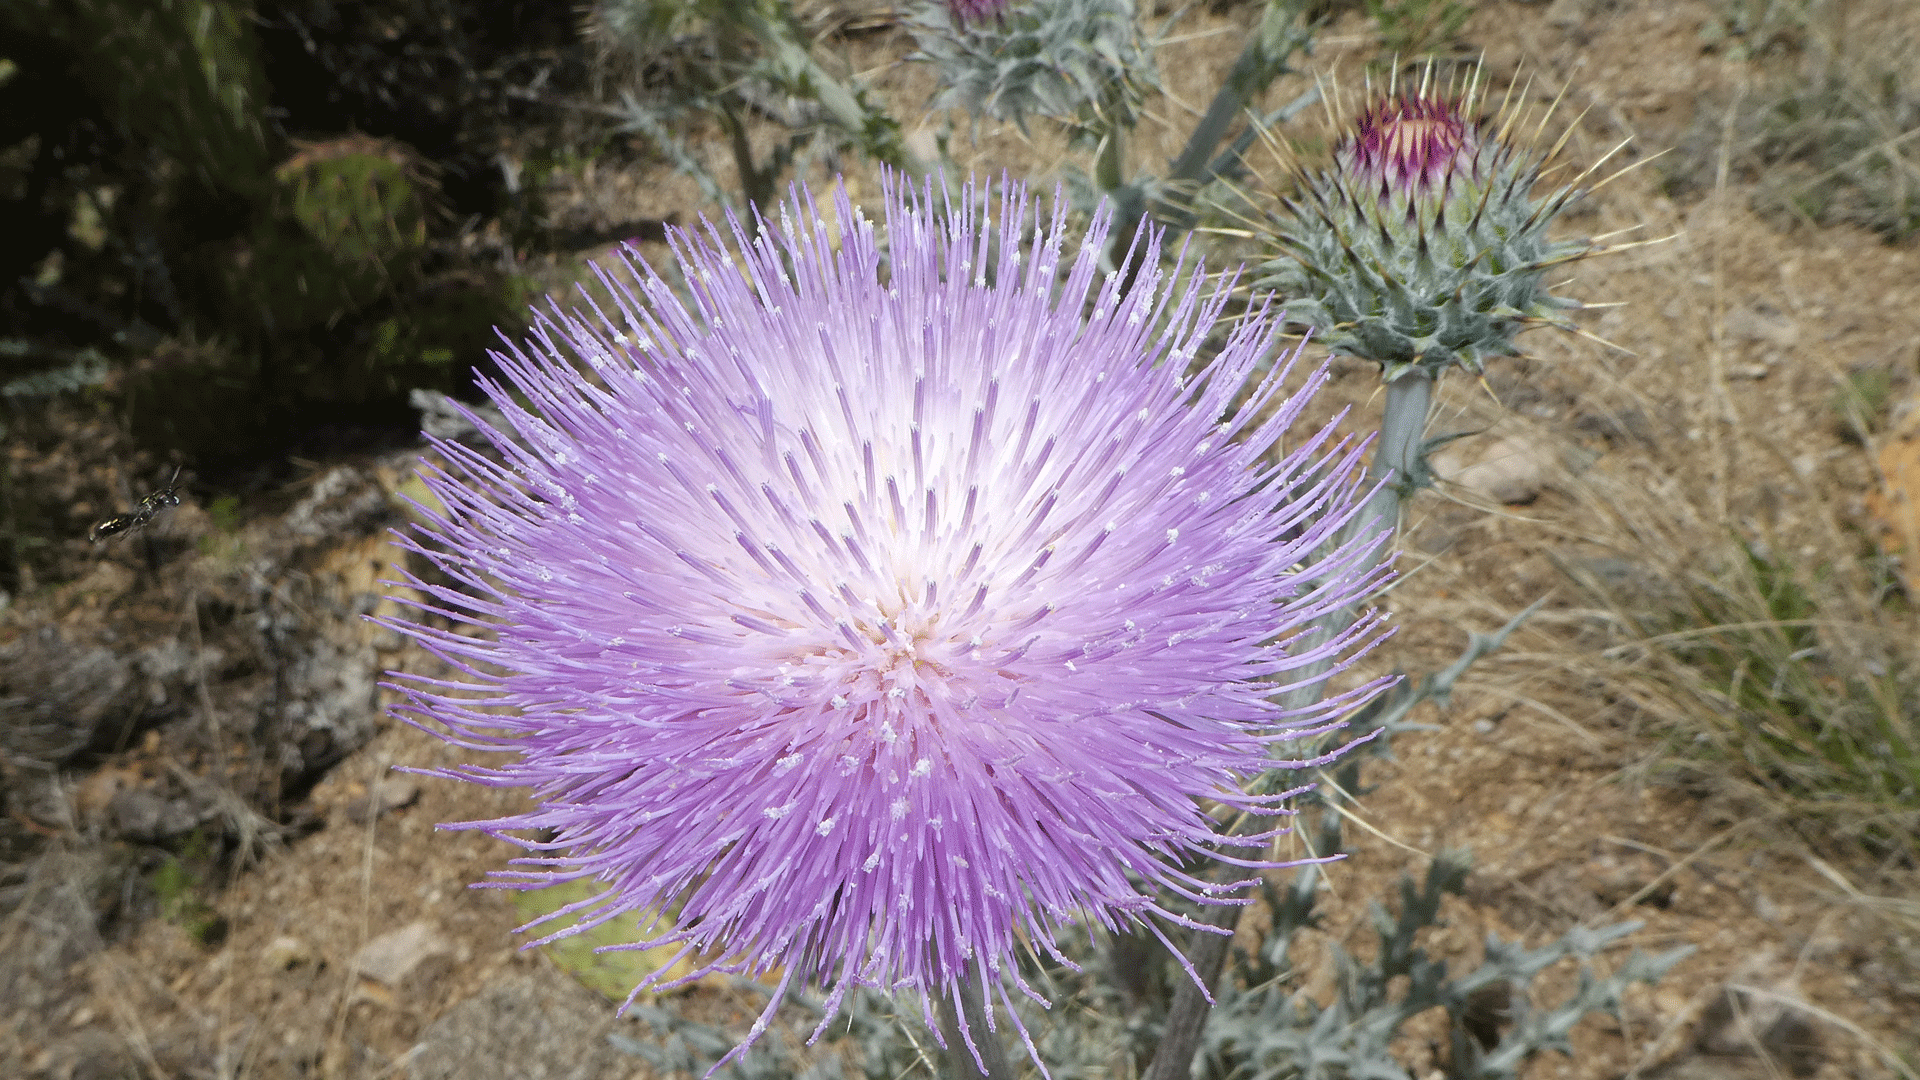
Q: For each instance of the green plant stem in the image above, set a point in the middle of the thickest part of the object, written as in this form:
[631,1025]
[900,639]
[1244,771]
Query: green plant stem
[1110,164]
[1263,60]
[1173,203]
[1226,107]
[756,185]
[877,132]
[1187,1016]
[1110,179]
[960,1062]
[1397,458]
[1253,70]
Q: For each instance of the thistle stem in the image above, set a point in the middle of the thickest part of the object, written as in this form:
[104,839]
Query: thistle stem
[1110,177]
[1110,165]
[961,1063]
[1397,459]
[1187,1016]
[1272,43]
[877,132]
[756,186]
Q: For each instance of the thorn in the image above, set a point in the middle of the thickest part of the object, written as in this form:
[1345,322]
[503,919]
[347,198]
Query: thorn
[1590,336]
[1615,176]
[1568,133]
[1330,100]
[1604,158]
[1509,115]
[1545,116]
[1638,244]
[1488,387]
[1609,235]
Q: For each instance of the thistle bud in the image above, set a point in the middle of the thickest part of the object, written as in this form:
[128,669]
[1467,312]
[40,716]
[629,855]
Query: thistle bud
[1075,61]
[1422,246]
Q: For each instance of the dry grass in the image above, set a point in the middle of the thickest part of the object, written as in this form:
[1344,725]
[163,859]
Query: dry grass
[1825,127]
[1790,683]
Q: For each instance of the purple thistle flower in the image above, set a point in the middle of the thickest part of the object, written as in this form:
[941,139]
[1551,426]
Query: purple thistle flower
[875,613]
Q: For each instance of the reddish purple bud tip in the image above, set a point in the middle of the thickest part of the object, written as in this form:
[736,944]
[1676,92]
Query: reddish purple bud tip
[1411,142]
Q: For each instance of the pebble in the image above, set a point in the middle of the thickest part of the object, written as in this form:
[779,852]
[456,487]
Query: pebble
[393,793]
[1512,470]
[1765,325]
[286,952]
[392,956]
[536,1028]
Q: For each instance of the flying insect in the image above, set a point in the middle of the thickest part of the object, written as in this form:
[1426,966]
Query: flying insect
[149,506]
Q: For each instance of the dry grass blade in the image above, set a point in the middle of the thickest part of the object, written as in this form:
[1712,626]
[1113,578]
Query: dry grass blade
[1829,138]
[1887,1056]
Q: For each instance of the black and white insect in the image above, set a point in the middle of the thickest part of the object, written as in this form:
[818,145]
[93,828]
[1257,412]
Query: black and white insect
[149,506]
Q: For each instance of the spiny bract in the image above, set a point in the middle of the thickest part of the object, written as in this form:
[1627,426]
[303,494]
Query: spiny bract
[873,614]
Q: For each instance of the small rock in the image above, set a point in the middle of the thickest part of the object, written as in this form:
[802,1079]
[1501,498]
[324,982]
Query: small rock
[341,502]
[1616,427]
[393,793]
[443,418]
[144,814]
[924,143]
[286,952]
[391,957]
[1512,470]
[1566,14]
[541,1028]
[1750,372]
[1763,323]
[1738,1023]
[1615,879]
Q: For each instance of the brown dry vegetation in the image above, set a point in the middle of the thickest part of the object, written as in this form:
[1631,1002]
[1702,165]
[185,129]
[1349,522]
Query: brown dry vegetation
[1714,418]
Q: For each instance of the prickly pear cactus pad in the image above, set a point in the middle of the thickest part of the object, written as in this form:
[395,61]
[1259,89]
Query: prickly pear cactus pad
[1423,245]
[364,199]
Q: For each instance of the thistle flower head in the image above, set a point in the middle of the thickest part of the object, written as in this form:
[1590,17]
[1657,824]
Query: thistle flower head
[1080,62]
[1422,246]
[875,615]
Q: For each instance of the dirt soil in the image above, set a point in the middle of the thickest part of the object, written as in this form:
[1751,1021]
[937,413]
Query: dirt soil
[352,948]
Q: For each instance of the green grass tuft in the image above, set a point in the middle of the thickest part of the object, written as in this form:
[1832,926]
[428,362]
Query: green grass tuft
[1410,28]
[1779,682]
